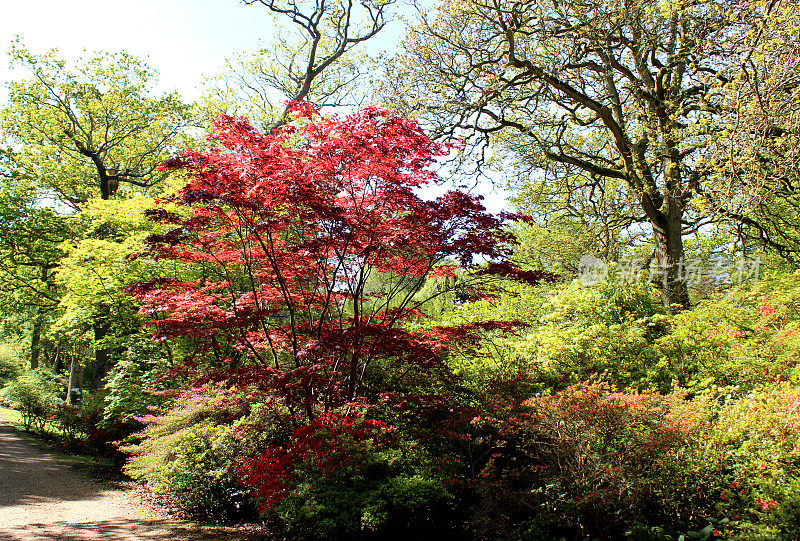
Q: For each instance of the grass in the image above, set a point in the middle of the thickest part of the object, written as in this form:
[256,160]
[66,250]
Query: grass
[15,418]
[11,415]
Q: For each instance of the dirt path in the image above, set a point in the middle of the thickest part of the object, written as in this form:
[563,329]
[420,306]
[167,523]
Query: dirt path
[42,499]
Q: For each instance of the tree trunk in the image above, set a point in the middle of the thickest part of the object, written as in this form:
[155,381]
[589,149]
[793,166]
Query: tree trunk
[38,322]
[75,380]
[670,273]
[57,359]
[36,341]
[102,355]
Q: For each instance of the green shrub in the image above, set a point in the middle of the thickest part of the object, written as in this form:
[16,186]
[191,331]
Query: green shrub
[751,448]
[608,328]
[190,451]
[743,339]
[33,397]
[11,365]
[133,382]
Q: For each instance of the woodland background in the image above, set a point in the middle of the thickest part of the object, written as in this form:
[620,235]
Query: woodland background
[285,301]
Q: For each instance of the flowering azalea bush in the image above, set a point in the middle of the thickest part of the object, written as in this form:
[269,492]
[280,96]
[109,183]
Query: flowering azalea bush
[742,340]
[587,461]
[189,450]
[752,444]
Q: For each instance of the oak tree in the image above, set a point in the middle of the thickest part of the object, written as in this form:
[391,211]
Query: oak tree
[587,90]
[91,127]
[314,59]
[754,152]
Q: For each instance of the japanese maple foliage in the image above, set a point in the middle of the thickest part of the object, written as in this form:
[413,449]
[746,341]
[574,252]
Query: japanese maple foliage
[313,241]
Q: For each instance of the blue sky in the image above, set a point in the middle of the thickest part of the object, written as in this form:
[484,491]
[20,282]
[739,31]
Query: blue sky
[183,39]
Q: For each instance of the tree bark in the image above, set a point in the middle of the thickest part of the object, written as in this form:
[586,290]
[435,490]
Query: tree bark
[36,334]
[670,274]
[36,340]
[58,359]
[75,379]
[102,355]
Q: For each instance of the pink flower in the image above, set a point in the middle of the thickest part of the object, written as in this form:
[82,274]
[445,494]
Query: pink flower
[765,504]
[766,310]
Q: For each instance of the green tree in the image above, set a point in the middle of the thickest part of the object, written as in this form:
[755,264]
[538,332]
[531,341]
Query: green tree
[85,129]
[91,127]
[30,251]
[94,271]
[572,218]
[591,91]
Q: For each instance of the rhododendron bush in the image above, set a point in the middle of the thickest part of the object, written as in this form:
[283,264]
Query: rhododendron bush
[312,243]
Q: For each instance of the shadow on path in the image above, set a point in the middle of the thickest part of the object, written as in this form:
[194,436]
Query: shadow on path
[29,476]
[111,530]
[42,499]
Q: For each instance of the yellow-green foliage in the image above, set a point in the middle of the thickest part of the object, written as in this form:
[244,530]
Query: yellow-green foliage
[11,364]
[498,355]
[743,339]
[98,265]
[604,328]
[572,331]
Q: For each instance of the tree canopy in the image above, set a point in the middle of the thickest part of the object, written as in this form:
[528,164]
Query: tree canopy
[586,92]
[288,228]
[87,127]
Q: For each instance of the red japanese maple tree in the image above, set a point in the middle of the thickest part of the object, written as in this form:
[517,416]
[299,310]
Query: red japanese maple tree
[314,241]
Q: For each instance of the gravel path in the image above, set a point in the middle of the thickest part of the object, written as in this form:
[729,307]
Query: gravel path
[42,499]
